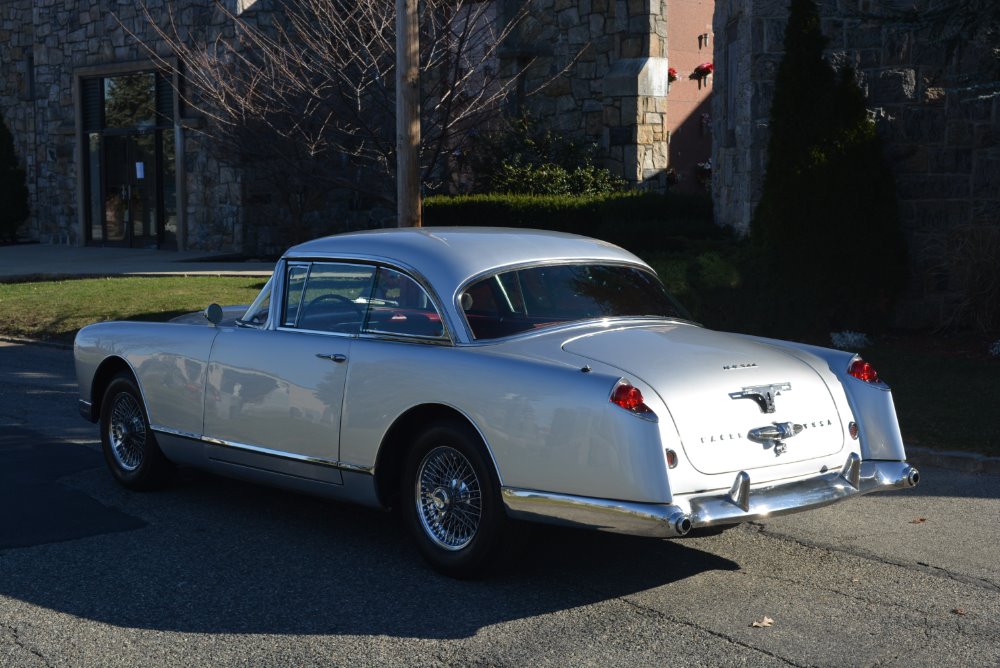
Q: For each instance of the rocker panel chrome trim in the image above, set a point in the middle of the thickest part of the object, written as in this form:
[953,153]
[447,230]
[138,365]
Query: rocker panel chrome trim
[331,463]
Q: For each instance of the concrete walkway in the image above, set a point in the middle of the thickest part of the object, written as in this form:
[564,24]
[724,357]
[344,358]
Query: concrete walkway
[25,260]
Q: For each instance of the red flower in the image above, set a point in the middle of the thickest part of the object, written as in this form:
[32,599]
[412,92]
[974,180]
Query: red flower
[703,70]
[671,74]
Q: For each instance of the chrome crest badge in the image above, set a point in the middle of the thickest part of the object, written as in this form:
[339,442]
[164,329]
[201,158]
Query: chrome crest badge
[762,395]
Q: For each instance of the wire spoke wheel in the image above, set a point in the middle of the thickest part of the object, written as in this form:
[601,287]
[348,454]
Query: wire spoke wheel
[127,432]
[448,498]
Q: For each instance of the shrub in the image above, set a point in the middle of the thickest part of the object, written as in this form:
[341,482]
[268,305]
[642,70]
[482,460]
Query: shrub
[13,190]
[517,155]
[826,232]
[552,179]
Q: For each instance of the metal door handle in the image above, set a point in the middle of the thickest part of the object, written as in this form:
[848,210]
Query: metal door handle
[338,358]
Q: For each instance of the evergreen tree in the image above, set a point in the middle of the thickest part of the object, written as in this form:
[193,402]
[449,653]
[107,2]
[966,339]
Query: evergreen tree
[13,190]
[827,228]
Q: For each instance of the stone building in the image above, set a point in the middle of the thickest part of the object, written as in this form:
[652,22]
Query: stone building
[113,155]
[931,72]
[110,154]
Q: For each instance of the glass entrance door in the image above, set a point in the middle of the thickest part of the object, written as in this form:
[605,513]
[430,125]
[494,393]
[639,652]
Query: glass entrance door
[130,168]
[130,189]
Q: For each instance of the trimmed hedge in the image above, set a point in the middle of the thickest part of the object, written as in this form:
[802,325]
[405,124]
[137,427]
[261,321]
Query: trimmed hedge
[639,222]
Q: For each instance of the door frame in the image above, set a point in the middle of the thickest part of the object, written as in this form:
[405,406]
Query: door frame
[168,67]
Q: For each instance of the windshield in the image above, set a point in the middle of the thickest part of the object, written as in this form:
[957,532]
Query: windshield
[524,299]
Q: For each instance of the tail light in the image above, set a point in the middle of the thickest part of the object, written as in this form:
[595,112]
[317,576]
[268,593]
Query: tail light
[862,370]
[627,396]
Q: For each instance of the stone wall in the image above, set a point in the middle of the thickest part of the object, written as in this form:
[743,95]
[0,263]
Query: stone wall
[931,71]
[600,71]
[43,45]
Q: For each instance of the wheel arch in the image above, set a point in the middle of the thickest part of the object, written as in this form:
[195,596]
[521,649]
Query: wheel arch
[394,446]
[107,371]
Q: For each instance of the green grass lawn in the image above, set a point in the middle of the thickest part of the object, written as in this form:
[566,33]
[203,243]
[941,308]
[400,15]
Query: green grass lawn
[945,394]
[55,310]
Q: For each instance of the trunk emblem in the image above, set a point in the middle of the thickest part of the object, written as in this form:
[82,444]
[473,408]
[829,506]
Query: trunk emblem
[762,395]
[775,434]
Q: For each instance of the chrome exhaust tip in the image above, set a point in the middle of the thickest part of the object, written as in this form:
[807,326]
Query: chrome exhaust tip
[912,477]
[683,526]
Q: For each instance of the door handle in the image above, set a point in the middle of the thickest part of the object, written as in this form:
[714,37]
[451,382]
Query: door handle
[338,358]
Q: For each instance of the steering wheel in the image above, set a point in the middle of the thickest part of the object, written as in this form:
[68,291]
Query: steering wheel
[332,297]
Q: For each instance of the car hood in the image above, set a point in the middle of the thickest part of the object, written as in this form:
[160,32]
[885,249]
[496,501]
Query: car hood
[713,385]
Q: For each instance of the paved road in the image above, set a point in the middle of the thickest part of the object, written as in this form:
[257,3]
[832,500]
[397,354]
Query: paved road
[214,572]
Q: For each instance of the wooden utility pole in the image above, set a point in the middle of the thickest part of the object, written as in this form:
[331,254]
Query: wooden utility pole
[408,201]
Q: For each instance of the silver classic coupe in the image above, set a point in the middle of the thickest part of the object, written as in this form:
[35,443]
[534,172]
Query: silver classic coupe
[477,377]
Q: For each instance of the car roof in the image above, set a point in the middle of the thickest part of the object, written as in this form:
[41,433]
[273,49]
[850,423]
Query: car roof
[448,256]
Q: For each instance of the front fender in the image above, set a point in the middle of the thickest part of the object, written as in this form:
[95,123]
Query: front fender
[167,360]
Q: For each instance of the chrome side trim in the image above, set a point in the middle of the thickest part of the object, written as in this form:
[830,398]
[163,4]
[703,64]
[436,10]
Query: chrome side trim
[86,410]
[665,520]
[319,461]
[175,432]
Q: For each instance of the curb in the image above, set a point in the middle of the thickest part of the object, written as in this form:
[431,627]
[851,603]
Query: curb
[35,342]
[954,460]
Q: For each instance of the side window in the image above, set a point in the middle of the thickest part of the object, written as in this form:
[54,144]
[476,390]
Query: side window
[400,306]
[327,296]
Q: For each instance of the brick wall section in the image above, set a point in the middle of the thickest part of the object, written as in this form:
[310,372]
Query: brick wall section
[931,70]
[689,114]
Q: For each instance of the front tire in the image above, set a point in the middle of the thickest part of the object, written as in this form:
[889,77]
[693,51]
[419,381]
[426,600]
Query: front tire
[451,501]
[130,448]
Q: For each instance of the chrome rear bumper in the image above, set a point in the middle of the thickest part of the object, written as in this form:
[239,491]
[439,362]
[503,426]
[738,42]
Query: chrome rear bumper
[741,504]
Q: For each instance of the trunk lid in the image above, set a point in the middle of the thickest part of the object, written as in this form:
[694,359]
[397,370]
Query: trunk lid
[719,387]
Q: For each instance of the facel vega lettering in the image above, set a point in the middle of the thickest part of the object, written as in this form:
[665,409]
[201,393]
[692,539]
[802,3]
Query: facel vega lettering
[722,438]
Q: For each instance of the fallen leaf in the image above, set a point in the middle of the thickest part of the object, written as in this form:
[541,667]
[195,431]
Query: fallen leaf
[919,520]
[959,611]
[763,623]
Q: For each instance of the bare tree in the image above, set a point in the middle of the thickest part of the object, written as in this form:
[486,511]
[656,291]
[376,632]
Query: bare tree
[303,91]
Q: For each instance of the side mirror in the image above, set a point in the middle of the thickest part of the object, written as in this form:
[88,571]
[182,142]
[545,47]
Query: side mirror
[213,314]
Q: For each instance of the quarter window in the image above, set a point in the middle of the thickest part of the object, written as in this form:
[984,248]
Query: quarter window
[399,306]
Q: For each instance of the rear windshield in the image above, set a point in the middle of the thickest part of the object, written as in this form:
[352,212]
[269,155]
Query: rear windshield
[524,299]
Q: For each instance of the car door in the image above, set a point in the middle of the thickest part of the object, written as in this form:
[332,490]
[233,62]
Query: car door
[275,393]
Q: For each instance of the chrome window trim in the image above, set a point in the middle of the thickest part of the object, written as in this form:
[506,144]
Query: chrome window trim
[341,335]
[285,278]
[619,322]
[406,338]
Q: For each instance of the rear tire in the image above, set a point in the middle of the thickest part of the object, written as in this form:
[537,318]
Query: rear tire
[130,448]
[451,503]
